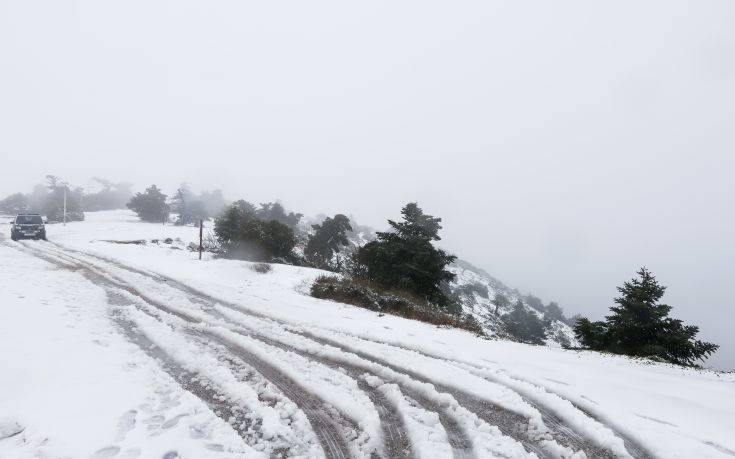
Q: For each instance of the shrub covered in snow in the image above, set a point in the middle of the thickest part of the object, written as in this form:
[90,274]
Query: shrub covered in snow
[262,268]
[366,294]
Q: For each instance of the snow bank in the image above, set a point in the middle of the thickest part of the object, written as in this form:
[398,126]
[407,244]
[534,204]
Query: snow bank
[77,388]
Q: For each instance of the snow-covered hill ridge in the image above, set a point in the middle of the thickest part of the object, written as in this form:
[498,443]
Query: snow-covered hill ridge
[476,290]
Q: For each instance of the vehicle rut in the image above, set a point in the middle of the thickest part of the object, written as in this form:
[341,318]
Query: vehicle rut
[635,449]
[397,443]
[511,424]
[325,423]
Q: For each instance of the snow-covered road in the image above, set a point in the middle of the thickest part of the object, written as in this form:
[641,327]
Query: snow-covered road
[333,381]
[209,375]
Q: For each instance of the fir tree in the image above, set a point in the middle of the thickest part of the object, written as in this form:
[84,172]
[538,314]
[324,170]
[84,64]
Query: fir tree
[525,325]
[328,238]
[275,211]
[405,257]
[243,235]
[150,206]
[640,326]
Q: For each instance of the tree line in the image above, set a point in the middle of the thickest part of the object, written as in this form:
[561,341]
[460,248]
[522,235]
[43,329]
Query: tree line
[402,261]
[405,259]
[48,199]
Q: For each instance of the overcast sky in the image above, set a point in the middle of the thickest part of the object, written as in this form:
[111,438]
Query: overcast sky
[565,144]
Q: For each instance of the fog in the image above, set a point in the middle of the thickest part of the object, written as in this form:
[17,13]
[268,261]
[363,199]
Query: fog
[565,144]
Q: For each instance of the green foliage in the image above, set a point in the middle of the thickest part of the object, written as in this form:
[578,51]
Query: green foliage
[640,326]
[405,258]
[274,211]
[591,334]
[150,206]
[525,325]
[328,238]
[243,235]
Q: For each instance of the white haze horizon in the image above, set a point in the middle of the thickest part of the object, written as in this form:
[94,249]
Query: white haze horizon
[564,145]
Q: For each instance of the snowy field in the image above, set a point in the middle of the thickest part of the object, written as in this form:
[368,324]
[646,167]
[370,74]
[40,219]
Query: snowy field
[112,350]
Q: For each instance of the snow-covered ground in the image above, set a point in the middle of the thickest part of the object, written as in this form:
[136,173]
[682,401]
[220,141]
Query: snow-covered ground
[75,384]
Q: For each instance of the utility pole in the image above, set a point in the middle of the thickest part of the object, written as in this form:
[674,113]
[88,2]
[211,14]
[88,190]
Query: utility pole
[201,230]
[65,188]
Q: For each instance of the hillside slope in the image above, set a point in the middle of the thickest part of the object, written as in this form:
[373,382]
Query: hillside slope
[475,289]
[612,403]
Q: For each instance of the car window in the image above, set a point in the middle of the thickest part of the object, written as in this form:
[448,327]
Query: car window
[28,220]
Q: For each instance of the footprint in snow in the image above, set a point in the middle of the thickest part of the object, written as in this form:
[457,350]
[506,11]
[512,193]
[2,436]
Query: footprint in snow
[10,429]
[131,453]
[172,422]
[125,424]
[106,452]
[170,455]
[199,431]
[156,419]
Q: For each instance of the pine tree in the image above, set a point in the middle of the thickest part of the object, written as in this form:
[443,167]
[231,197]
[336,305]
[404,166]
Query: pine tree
[150,206]
[405,257]
[328,238]
[640,326]
[243,235]
[275,211]
[525,325]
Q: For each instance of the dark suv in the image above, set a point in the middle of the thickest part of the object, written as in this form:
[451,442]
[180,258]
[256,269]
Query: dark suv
[28,226]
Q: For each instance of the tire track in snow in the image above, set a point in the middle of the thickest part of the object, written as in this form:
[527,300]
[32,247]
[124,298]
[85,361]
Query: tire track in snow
[634,448]
[192,382]
[325,423]
[510,423]
[396,442]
